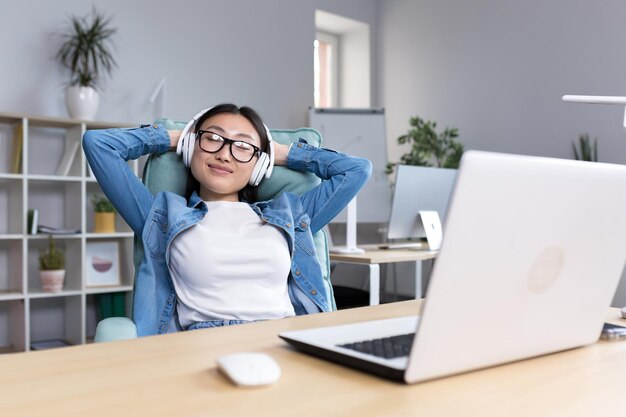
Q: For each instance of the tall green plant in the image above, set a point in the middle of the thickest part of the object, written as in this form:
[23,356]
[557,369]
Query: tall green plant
[86,50]
[52,258]
[586,151]
[429,148]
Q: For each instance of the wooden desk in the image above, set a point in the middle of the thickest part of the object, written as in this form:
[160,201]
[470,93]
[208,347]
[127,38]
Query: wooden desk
[176,375]
[374,256]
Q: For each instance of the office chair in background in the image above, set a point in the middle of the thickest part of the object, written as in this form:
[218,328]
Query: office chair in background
[166,172]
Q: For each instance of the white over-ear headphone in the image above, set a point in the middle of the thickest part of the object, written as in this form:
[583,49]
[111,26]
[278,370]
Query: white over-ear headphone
[262,169]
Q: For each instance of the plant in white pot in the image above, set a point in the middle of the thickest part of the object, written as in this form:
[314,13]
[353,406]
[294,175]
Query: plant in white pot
[86,52]
[52,268]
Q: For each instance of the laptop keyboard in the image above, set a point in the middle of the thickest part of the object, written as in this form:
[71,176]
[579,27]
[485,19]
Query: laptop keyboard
[386,347]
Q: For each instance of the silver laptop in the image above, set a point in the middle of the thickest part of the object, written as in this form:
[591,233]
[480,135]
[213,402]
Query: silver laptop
[532,254]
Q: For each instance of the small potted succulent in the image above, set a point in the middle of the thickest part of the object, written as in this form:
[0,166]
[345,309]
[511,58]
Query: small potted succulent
[52,268]
[104,218]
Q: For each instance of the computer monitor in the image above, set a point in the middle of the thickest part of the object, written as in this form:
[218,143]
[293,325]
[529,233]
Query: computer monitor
[418,188]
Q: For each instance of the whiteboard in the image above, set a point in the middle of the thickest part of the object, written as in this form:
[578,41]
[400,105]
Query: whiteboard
[359,132]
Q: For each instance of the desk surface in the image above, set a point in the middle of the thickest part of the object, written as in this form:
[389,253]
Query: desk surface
[175,375]
[374,255]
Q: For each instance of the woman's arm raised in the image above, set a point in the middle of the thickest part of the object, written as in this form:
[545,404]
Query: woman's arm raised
[342,177]
[107,152]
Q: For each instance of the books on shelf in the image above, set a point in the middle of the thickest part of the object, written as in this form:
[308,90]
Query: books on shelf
[34,227]
[16,151]
[48,344]
[56,230]
[111,305]
[33,221]
[71,148]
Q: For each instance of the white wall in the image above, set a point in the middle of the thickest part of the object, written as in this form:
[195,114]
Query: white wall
[497,69]
[255,52]
[355,69]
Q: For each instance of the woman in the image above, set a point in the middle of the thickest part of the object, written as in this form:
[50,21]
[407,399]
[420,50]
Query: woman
[218,257]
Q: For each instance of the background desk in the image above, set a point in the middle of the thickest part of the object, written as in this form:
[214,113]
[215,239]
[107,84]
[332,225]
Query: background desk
[176,375]
[374,256]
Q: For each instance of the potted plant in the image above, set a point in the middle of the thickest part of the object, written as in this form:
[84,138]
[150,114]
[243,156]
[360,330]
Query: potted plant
[52,268]
[429,148]
[104,218]
[587,152]
[86,52]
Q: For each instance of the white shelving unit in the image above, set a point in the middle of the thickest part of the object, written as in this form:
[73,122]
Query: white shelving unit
[27,314]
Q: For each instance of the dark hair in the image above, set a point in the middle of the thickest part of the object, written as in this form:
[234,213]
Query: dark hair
[248,193]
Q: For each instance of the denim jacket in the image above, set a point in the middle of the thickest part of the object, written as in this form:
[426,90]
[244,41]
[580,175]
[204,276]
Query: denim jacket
[159,219]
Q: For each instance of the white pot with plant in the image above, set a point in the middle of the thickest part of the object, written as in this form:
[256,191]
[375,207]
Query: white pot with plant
[104,214]
[52,268]
[86,52]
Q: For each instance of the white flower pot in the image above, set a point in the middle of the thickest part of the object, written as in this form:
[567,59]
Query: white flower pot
[52,280]
[81,102]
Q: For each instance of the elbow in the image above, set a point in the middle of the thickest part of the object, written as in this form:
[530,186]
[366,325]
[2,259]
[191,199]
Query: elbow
[95,143]
[90,141]
[364,170]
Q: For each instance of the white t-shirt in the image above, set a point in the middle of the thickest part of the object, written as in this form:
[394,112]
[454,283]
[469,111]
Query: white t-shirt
[230,266]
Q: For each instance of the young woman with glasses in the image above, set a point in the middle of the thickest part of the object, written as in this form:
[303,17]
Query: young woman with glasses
[217,256]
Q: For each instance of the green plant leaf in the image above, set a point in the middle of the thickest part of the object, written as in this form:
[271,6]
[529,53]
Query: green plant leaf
[429,148]
[86,49]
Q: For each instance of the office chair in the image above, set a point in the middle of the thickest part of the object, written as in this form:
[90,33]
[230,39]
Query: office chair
[166,172]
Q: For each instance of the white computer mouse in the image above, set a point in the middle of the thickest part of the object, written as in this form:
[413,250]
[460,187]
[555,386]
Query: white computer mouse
[249,369]
[624,312]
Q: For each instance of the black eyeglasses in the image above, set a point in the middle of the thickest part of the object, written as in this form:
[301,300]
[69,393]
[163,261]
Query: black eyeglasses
[212,143]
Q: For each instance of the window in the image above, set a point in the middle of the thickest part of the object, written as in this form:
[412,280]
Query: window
[325,49]
[341,62]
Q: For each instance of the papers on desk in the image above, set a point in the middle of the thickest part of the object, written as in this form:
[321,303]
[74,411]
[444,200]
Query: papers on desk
[404,245]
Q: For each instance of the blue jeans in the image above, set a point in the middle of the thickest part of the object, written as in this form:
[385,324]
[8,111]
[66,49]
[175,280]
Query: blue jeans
[215,323]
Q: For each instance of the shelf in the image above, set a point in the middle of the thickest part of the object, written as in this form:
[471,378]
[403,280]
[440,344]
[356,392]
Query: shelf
[35,295]
[42,236]
[11,295]
[53,177]
[8,349]
[12,236]
[11,264]
[11,206]
[57,318]
[61,178]
[104,290]
[12,326]
[11,177]
[108,235]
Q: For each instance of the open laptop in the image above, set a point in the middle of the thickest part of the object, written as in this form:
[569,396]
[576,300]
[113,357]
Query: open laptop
[532,254]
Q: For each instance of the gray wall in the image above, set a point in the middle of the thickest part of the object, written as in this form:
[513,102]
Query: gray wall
[496,69]
[255,52]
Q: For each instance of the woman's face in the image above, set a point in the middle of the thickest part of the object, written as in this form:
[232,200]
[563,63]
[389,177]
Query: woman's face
[221,176]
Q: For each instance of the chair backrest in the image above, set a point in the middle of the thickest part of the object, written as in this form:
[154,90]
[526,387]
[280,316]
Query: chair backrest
[166,172]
